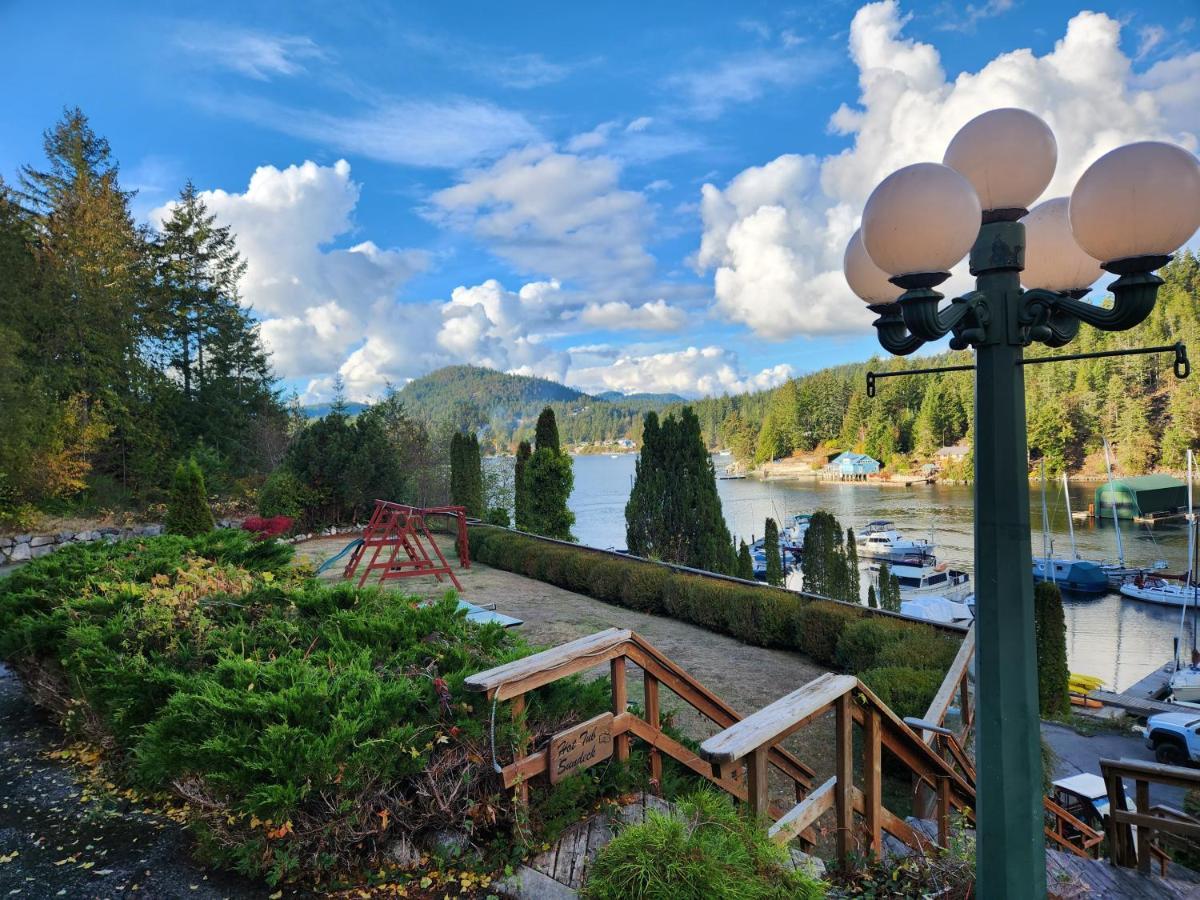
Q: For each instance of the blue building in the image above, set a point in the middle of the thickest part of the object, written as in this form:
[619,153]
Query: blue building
[850,466]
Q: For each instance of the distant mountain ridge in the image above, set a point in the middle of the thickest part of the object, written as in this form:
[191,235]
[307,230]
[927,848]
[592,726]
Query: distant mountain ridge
[618,397]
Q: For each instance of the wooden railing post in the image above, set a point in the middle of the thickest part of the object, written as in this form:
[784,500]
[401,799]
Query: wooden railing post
[943,811]
[873,780]
[843,791]
[650,689]
[1145,834]
[758,788]
[517,708]
[620,702]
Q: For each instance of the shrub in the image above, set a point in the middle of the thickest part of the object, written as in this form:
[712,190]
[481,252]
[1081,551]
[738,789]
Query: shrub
[834,634]
[498,515]
[188,512]
[923,648]
[703,849]
[906,690]
[861,642]
[1050,630]
[282,494]
[264,529]
[306,725]
[818,628]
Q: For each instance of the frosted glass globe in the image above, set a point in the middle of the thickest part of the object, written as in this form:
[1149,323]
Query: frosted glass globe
[1052,258]
[1142,199]
[922,218]
[866,279]
[1008,155]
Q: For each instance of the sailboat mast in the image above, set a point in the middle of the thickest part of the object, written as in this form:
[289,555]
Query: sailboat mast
[1112,499]
[1070,521]
[1045,527]
[1191,573]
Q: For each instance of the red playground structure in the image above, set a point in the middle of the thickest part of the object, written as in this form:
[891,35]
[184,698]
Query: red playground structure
[398,533]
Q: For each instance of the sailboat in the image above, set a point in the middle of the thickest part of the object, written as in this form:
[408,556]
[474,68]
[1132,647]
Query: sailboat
[1157,589]
[1076,575]
[1185,682]
[1119,572]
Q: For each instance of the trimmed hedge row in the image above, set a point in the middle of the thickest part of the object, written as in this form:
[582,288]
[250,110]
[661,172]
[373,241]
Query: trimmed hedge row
[837,635]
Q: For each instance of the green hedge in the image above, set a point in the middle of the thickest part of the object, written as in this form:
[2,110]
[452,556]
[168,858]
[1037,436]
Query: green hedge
[833,634]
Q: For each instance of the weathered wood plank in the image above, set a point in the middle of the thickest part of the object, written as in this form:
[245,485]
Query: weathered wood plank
[804,814]
[1155,823]
[758,787]
[536,763]
[654,719]
[945,695]
[620,704]
[872,775]
[549,665]
[772,721]
[843,799]
[1175,776]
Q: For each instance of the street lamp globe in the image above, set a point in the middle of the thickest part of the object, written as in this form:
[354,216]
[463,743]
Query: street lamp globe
[867,280]
[920,219]
[1053,261]
[1008,155]
[1140,200]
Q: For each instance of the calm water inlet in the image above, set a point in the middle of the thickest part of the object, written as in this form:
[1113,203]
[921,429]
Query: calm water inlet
[1113,638]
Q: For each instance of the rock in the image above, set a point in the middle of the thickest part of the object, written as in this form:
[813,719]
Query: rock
[43,550]
[451,845]
[154,530]
[23,538]
[41,540]
[20,552]
[530,884]
[812,866]
[6,542]
[65,536]
[402,852]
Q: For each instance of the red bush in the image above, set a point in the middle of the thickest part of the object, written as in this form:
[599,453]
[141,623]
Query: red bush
[268,528]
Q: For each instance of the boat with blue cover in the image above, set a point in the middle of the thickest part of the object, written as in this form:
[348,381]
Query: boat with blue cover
[1079,576]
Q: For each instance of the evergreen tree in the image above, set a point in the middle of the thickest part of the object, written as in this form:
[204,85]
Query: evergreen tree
[745,566]
[548,481]
[871,601]
[771,547]
[674,511]
[853,588]
[889,589]
[458,471]
[473,476]
[1050,636]
[546,434]
[188,512]
[520,490]
[823,564]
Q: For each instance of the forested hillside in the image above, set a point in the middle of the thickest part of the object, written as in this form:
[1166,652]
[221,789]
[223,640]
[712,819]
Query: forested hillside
[1149,416]
[504,408]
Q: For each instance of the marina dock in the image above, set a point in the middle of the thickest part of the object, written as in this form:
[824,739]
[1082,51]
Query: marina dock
[1144,698]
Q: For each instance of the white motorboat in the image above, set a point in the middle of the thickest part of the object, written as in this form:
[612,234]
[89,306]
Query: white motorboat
[1185,685]
[881,541]
[792,536]
[937,608]
[928,578]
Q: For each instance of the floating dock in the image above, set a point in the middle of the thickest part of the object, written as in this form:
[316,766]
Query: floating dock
[1145,698]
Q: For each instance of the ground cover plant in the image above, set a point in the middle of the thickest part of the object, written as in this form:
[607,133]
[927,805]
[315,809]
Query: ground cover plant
[308,727]
[703,848]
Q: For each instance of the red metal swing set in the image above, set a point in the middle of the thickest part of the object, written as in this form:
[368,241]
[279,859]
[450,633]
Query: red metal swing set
[398,533]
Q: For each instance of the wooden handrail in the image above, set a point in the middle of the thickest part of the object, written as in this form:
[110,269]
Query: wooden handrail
[616,646]
[956,680]
[1149,821]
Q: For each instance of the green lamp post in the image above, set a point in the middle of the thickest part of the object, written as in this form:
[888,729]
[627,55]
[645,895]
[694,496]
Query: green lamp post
[1128,212]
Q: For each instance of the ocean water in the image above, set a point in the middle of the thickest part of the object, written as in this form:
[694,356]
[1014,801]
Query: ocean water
[1116,639]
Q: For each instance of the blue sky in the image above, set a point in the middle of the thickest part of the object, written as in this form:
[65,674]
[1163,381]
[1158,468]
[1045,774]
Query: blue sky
[628,196]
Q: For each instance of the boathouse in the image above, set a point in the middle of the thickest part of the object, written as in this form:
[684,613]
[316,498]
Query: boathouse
[850,466]
[1144,496]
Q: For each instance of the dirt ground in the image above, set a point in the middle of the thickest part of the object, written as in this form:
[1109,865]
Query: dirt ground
[745,677]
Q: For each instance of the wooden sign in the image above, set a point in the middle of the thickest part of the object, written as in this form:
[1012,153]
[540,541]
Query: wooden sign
[577,748]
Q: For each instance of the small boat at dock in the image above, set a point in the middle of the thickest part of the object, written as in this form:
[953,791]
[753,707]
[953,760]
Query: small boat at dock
[928,578]
[1079,576]
[881,541]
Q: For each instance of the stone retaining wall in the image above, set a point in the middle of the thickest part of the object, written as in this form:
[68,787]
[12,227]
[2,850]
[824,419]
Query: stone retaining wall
[22,547]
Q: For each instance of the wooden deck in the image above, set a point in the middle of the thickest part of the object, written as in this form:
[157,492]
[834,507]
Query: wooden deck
[1070,876]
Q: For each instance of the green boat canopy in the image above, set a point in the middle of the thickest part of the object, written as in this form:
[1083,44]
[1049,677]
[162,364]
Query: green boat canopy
[1142,496]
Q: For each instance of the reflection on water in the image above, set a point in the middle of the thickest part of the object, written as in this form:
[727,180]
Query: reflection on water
[1118,640]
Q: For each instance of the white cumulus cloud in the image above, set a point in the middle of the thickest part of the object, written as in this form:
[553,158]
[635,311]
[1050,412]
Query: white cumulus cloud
[693,372]
[775,234]
[619,315]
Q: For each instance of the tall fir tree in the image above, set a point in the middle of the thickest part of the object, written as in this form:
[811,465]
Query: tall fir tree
[520,488]
[458,470]
[745,564]
[546,433]
[472,463]
[1050,637]
[889,589]
[771,548]
[674,510]
[548,482]
[853,581]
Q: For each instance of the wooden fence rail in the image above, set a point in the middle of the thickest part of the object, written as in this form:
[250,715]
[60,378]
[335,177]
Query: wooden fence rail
[1151,822]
